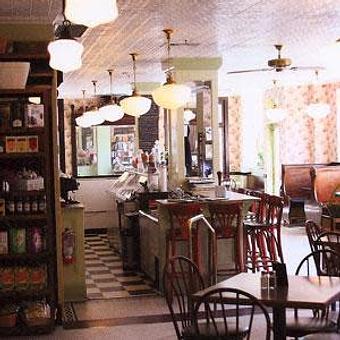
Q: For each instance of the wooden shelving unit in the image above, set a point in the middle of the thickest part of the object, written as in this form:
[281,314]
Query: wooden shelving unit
[42,222]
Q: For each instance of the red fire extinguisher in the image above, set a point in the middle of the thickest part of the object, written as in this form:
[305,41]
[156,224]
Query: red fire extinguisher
[69,242]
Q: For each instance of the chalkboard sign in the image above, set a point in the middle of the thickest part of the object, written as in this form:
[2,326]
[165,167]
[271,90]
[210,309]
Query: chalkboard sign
[148,128]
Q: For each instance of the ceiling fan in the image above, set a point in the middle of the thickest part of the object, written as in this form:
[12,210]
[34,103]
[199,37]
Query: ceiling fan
[279,64]
[181,43]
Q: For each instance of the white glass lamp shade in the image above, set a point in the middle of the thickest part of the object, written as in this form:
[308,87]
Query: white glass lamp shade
[188,115]
[65,54]
[135,105]
[83,122]
[275,114]
[171,96]
[112,112]
[318,110]
[91,13]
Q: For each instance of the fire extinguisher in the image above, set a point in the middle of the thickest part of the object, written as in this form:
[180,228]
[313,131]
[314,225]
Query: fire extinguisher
[69,241]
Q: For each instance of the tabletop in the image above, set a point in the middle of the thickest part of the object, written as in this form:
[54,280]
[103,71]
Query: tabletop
[231,196]
[302,291]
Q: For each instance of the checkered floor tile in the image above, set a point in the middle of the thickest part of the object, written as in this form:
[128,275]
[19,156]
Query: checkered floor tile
[105,277]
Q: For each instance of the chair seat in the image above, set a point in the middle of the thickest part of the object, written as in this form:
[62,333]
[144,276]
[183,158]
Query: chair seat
[207,331]
[301,326]
[323,336]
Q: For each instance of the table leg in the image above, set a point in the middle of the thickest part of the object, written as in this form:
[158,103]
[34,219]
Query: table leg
[279,323]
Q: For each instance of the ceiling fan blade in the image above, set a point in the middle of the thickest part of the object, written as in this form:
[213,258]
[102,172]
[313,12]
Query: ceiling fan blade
[185,44]
[306,68]
[250,71]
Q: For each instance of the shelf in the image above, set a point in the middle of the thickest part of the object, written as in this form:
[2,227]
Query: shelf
[26,258]
[30,89]
[22,56]
[16,155]
[20,131]
[23,218]
[27,294]
[23,193]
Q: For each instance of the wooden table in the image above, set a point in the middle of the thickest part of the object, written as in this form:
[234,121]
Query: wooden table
[302,292]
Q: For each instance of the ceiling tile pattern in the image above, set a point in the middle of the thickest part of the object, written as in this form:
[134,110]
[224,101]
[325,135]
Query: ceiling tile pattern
[242,32]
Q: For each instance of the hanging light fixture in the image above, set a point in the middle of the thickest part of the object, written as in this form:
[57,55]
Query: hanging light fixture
[317,110]
[65,52]
[91,117]
[170,95]
[91,13]
[135,105]
[111,112]
[83,120]
[275,114]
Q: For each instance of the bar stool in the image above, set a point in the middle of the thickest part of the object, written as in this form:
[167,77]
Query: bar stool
[179,229]
[226,220]
[263,241]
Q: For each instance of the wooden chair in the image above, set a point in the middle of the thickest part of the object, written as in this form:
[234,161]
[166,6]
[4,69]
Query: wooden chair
[179,229]
[181,279]
[313,231]
[322,263]
[226,220]
[226,320]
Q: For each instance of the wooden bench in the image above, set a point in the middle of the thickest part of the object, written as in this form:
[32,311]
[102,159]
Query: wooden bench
[296,188]
[326,185]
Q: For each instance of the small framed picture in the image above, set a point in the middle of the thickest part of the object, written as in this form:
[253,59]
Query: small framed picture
[33,144]
[34,115]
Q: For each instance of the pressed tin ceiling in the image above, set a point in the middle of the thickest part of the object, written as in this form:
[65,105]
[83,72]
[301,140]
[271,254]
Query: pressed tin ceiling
[241,32]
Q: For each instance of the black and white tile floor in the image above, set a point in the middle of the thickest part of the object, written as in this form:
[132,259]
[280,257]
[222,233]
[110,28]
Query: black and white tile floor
[105,277]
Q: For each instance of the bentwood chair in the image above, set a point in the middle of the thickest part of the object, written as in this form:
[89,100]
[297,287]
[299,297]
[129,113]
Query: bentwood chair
[230,320]
[181,279]
[226,220]
[321,263]
[313,231]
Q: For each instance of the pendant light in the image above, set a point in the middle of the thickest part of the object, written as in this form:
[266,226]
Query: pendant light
[65,52]
[317,110]
[135,105]
[275,114]
[83,120]
[91,13]
[111,112]
[170,95]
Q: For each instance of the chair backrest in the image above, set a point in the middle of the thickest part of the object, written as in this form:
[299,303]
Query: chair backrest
[324,262]
[225,322]
[264,244]
[179,218]
[313,231]
[225,218]
[181,279]
[273,209]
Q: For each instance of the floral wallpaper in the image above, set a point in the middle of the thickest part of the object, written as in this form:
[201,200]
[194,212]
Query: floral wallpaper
[303,139]
[235,132]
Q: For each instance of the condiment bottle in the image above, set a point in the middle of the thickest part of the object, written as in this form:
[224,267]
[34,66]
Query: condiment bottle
[27,206]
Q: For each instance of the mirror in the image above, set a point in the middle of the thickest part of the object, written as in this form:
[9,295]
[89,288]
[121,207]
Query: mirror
[198,142]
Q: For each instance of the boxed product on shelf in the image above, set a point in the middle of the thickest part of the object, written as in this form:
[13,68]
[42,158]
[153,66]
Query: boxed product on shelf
[10,144]
[38,277]
[30,184]
[34,115]
[3,242]
[21,144]
[21,278]
[35,242]
[33,144]
[5,113]
[18,240]
[6,279]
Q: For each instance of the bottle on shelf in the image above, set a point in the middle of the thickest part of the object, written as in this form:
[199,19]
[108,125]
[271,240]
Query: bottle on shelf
[27,205]
[17,116]
[42,204]
[34,205]
[10,205]
[18,205]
